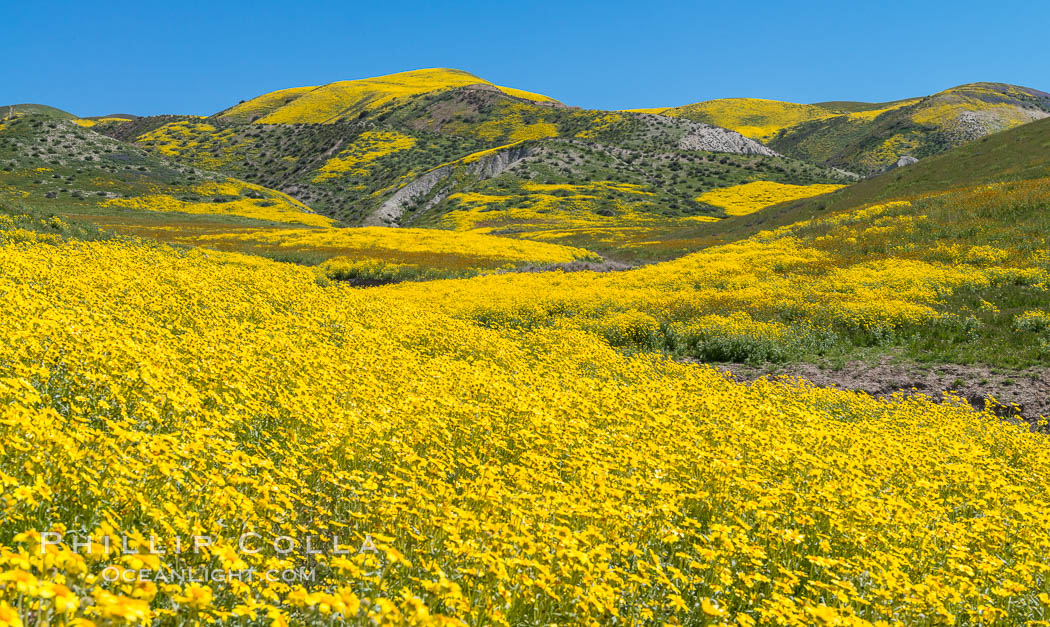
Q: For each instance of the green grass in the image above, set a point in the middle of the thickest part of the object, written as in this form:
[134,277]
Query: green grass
[980,325]
[1018,154]
[37,110]
[991,337]
[48,223]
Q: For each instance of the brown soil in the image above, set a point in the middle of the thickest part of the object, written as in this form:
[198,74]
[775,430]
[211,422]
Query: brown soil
[1025,393]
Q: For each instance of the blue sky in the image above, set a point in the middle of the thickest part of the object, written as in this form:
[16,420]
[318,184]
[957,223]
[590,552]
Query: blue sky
[200,57]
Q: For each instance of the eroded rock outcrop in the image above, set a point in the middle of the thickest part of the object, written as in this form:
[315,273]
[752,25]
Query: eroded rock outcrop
[390,212]
[718,139]
[491,165]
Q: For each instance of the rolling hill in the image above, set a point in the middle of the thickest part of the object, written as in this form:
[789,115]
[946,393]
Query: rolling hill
[58,177]
[58,166]
[871,137]
[349,169]
[8,111]
[347,100]
[363,149]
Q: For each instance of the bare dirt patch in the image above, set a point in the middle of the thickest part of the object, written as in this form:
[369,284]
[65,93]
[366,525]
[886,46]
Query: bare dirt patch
[1020,393]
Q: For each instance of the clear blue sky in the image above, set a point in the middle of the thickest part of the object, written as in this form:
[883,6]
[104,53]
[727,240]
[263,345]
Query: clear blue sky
[200,57]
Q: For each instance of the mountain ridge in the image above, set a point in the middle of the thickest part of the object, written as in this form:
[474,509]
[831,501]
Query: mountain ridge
[341,100]
[870,137]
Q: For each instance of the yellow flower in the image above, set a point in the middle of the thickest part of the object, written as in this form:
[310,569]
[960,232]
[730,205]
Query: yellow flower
[24,494]
[710,608]
[9,616]
[24,582]
[64,599]
[196,596]
[823,613]
[117,606]
[277,618]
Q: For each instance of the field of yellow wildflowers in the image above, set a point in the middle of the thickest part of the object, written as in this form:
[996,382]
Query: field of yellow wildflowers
[740,200]
[192,431]
[204,436]
[884,275]
[377,254]
[260,204]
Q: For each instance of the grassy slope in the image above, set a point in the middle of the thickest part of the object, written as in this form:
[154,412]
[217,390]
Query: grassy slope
[1018,154]
[993,192]
[996,224]
[35,109]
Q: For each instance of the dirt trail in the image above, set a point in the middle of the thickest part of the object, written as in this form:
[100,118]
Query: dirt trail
[1028,389]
